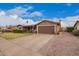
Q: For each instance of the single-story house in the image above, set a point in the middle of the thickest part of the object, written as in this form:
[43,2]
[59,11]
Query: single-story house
[76,26]
[45,26]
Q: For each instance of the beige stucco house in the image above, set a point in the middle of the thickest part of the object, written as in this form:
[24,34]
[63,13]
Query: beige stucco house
[45,26]
[76,26]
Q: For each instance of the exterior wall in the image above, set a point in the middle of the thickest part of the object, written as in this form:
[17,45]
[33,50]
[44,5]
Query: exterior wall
[46,23]
[76,26]
[58,28]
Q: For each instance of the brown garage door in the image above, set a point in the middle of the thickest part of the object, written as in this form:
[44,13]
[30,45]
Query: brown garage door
[46,29]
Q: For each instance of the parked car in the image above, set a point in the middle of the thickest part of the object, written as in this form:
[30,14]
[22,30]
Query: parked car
[6,30]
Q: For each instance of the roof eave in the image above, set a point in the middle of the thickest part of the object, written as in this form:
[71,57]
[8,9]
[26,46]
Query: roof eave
[49,21]
[76,23]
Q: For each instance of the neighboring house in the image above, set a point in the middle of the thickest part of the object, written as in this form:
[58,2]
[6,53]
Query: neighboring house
[76,26]
[45,26]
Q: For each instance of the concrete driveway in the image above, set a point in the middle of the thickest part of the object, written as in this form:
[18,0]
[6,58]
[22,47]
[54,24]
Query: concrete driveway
[64,44]
[41,44]
[25,45]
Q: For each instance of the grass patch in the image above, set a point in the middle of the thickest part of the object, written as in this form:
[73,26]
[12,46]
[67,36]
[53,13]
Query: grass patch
[11,35]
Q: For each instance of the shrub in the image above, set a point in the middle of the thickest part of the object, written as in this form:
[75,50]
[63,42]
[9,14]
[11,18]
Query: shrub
[70,29]
[76,33]
[18,31]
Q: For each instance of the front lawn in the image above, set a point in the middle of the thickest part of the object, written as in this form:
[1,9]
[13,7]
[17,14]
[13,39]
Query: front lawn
[11,35]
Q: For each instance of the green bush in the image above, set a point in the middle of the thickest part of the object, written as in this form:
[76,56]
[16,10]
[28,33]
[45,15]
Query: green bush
[76,33]
[18,31]
[70,29]
[22,31]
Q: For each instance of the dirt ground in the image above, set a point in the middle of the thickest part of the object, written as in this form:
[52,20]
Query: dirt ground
[64,44]
[28,45]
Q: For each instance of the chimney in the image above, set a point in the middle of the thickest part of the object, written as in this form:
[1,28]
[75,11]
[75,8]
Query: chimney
[60,22]
[60,25]
[27,22]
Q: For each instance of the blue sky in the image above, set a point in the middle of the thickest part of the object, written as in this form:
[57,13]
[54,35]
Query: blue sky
[66,12]
[49,10]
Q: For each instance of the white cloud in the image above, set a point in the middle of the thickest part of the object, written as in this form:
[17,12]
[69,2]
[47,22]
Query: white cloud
[36,13]
[63,24]
[2,13]
[30,8]
[6,20]
[70,21]
[67,21]
[27,22]
[24,12]
[18,11]
[14,20]
[13,16]
[9,19]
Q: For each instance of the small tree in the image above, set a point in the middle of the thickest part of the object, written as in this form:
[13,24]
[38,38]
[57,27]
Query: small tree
[70,29]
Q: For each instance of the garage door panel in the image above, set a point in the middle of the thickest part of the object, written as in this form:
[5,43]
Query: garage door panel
[46,29]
